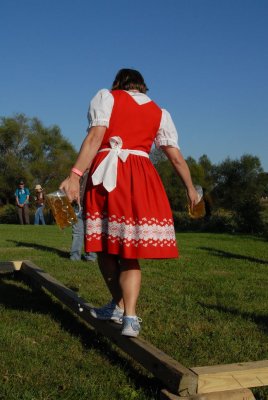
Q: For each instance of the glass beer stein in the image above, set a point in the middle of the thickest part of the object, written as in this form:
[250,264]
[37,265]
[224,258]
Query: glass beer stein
[199,210]
[62,210]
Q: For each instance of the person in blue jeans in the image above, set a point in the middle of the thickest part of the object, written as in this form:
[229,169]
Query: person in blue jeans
[40,203]
[78,229]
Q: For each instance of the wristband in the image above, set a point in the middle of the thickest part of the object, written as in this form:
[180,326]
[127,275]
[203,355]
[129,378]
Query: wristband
[77,171]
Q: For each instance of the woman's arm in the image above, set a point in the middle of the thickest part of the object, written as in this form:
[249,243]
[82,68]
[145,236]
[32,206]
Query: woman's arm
[88,151]
[176,158]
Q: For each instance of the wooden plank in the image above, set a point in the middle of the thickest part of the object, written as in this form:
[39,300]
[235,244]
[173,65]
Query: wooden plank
[240,394]
[232,376]
[9,266]
[174,375]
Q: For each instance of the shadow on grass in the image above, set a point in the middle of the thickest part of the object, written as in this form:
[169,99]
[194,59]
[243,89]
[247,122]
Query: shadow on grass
[227,254]
[19,298]
[260,320]
[37,246]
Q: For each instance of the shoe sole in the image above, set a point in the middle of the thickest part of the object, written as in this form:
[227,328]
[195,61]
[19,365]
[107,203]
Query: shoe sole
[130,334]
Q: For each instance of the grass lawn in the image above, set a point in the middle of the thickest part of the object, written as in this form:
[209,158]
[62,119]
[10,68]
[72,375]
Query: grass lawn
[209,307]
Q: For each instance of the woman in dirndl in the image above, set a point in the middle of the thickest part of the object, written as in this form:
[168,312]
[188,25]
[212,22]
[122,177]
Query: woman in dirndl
[127,213]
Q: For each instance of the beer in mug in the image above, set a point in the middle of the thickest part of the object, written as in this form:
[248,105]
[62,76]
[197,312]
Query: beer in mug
[199,210]
[62,210]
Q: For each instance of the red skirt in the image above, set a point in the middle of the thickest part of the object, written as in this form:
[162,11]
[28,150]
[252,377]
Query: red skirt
[135,219]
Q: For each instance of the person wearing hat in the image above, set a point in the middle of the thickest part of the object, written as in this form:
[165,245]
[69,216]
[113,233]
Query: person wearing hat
[40,202]
[22,195]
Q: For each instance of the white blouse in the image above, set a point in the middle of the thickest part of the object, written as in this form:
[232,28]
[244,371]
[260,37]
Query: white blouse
[100,110]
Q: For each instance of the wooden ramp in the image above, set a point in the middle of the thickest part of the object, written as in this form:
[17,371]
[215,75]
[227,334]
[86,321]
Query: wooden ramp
[218,382]
[7,267]
[240,394]
[233,376]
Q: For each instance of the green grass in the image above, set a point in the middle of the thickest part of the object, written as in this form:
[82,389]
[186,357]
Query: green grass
[209,307]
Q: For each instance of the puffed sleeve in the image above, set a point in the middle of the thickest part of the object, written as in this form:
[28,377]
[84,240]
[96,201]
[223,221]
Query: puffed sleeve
[100,109]
[167,134]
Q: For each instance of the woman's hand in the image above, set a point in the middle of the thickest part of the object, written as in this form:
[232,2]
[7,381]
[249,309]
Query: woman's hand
[176,158]
[89,149]
[193,197]
[71,187]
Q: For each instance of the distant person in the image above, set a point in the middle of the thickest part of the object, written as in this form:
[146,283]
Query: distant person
[78,229]
[22,195]
[40,203]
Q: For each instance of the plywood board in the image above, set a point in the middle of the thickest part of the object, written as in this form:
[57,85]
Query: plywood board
[240,394]
[232,376]
[9,266]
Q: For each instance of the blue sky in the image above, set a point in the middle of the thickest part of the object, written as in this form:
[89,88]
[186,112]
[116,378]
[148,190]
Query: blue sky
[205,61]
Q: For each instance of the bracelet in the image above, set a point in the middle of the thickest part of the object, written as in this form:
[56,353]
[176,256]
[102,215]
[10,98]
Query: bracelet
[77,171]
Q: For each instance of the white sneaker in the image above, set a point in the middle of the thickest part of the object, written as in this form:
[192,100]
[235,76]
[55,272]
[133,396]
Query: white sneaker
[131,326]
[109,312]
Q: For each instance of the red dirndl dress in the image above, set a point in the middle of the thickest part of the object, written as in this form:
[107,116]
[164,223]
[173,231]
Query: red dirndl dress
[134,220]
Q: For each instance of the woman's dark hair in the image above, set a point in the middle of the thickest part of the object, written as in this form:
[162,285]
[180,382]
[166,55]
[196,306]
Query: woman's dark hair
[129,79]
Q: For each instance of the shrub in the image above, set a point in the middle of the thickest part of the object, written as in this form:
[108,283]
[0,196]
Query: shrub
[249,216]
[183,222]
[220,221]
[8,214]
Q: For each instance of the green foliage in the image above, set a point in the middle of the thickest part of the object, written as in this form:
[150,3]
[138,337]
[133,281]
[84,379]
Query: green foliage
[202,172]
[239,187]
[236,180]
[263,181]
[236,186]
[220,221]
[198,172]
[173,186]
[33,152]
[42,155]
[157,155]
[8,214]
[249,215]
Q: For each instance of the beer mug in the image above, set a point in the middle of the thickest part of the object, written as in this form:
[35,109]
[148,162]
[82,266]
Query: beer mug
[199,210]
[62,210]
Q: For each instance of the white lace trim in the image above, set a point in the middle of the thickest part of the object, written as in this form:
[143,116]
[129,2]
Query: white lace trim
[99,122]
[143,232]
[166,142]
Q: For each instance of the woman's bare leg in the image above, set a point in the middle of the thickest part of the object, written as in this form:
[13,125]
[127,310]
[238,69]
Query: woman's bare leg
[110,269]
[130,283]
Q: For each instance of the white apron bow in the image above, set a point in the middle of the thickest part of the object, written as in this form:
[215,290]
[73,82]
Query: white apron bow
[106,172]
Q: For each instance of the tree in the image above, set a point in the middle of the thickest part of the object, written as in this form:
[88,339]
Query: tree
[208,171]
[201,173]
[237,179]
[239,188]
[33,152]
[157,155]
[174,188]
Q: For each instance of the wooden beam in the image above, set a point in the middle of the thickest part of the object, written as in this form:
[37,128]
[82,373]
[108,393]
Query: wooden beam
[7,267]
[240,394]
[176,377]
[166,395]
[232,376]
